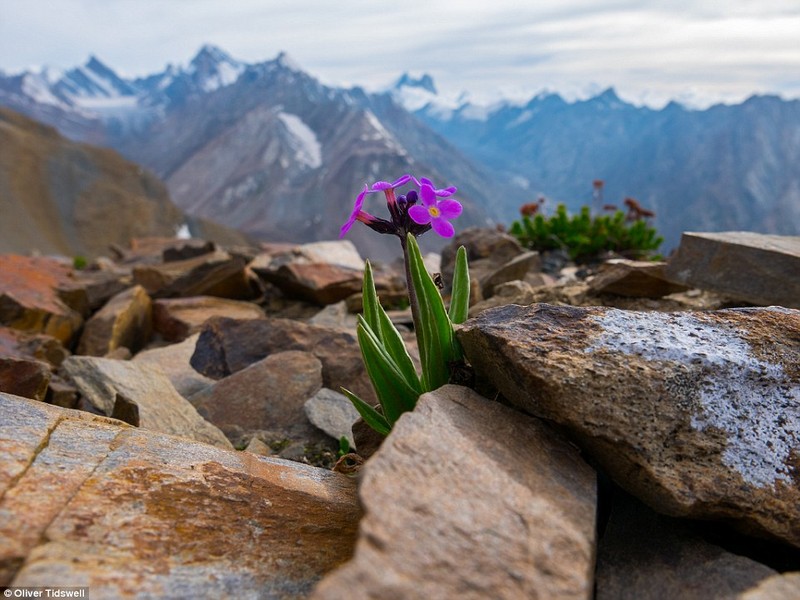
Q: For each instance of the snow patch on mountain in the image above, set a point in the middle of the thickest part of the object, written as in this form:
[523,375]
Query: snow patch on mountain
[36,87]
[308,150]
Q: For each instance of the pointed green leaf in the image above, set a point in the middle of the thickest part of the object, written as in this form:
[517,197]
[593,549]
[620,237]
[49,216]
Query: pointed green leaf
[394,394]
[396,348]
[459,299]
[371,416]
[369,299]
[435,332]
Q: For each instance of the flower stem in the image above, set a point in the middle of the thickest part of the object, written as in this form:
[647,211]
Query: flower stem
[412,292]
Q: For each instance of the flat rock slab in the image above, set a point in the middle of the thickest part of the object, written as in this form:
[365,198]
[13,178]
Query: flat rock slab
[139,394]
[470,499]
[634,278]
[173,361]
[88,501]
[178,318]
[754,267]
[697,414]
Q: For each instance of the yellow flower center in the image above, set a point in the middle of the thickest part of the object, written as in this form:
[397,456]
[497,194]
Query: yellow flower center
[434,211]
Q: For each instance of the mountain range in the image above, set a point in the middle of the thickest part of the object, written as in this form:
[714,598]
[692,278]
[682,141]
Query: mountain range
[270,150]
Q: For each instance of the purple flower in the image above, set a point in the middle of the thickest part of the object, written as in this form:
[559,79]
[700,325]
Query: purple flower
[434,211]
[433,214]
[442,193]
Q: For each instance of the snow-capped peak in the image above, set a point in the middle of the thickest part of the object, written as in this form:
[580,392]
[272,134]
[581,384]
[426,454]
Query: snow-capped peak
[424,82]
[214,68]
[287,62]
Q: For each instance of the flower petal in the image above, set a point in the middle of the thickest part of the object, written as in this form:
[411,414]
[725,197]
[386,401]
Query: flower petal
[419,214]
[443,228]
[427,194]
[449,191]
[424,181]
[450,209]
[404,179]
[356,210]
[381,185]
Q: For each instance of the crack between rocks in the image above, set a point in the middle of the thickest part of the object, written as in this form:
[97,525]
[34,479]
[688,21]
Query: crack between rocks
[36,452]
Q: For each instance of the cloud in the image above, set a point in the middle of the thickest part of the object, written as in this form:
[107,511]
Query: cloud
[720,50]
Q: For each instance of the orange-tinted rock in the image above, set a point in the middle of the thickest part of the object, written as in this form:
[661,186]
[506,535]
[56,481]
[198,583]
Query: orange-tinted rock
[124,322]
[128,512]
[24,377]
[175,319]
[29,298]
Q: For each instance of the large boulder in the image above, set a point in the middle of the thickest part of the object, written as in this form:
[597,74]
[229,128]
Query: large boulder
[126,321]
[470,499]
[697,414]
[753,267]
[88,501]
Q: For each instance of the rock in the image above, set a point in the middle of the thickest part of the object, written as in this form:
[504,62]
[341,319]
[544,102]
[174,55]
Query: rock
[335,316]
[470,499]
[173,361]
[125,321]
[341,253]
[785,586]
[29,298]
[319,283]
[256,446]
[697,414]
[649,557]
[513,270]
[640,279]
[24,377]
[322,272]
[104,383]
[88,291]
[214,274]
[753,267]
[87,501]
[229,345]
[512,292]
[18,344]
[333,413]
[480,243]
[175,319]
[265,396]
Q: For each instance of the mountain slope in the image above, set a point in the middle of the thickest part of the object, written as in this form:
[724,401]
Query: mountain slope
[57,196]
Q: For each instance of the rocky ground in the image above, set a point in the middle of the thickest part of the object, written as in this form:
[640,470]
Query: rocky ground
[170,420]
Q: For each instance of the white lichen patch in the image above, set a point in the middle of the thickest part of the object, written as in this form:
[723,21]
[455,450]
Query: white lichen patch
[752,400]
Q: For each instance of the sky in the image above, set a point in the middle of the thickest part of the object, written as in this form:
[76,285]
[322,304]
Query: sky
[698,52]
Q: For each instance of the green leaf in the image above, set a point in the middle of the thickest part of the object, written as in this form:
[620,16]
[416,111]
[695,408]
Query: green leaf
[394,393]
[435,332]
[396,348]
[459,299]
[371,416]
[369,299]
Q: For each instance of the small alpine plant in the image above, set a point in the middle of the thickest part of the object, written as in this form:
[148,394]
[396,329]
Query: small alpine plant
[391,371]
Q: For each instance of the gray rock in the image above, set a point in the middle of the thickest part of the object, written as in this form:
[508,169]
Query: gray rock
[333,413]
[268,396]
[753,267]
[470,499]
[785,586]
[697,414]
[633,278]
[173,361]
[160,407]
